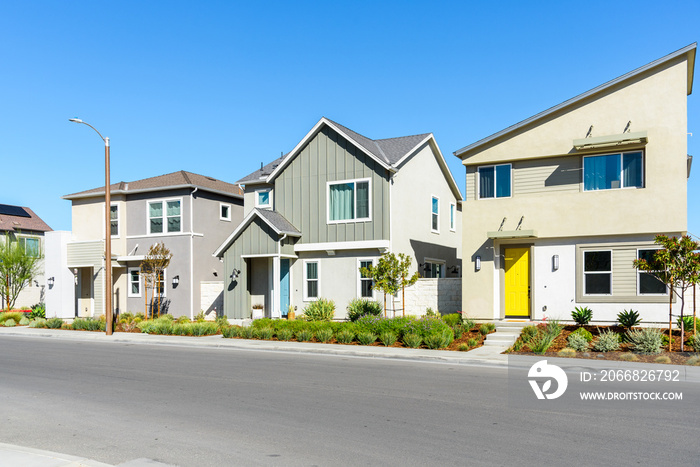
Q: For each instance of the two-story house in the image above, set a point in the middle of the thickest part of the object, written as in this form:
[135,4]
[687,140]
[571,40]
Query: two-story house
[23,226]
[191,214]
[332,205]
[564,201]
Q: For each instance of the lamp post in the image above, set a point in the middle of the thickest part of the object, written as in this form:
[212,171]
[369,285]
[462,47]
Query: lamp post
[108,233]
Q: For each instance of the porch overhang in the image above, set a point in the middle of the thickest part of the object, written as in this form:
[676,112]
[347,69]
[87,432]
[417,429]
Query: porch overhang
[512,234]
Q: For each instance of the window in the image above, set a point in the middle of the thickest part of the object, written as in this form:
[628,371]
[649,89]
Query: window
[365,282]
[225,212]
[453,214]
[30,246]
[311,285]
[597,272]
[134,282]
[435,214]
[159,286]
[349,201]
[433,269]
[648,283]
[114,220]
[164,212]
[611,171]
[263,198]
[494,181]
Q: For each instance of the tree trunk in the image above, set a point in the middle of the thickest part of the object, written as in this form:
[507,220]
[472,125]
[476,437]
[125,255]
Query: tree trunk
[695,287]
[670,318]
[403,301]
[158,291]
[385,304]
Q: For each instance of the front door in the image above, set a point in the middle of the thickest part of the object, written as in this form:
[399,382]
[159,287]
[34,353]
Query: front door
[517,282]
[284,287]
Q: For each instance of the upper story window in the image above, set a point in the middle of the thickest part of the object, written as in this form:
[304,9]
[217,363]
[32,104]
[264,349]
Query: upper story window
[164,216]
[647,282]
[495,181]
[349,201]
[114,220]
[611,171]
[435,214]
[225,212]
[30,246]
[263,198]
[597,272]
[453,215]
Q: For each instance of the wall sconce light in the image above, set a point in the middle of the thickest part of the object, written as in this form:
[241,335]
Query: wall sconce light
[454,269]
[51,281]
[477,263]
[176,280]
[555,262]
[235,273]
[75,276]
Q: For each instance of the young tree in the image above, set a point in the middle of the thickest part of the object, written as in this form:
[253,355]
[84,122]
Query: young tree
[152,267]
[391,274]
[18,266]
[676,265]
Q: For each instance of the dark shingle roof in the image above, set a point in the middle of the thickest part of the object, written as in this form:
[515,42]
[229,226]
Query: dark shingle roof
[20,218]
[180,178]
[278,221]
[263,172]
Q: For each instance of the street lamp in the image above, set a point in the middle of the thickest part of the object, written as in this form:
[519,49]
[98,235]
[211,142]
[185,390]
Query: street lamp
[108,234]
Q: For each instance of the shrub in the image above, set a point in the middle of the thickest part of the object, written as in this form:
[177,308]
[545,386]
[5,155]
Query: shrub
[388,338]
[468,323]
[207,328]
[694,342]
[222,321]
[528,333]
[265,333]
[577,342]
[412,340]
[517,346]
[629,357]
[54,323]
[541,342]
[377,324]
[38,323]
[320,310]
[15,315]
[687,321]
[694,360]
[645,341]
[463,347]
[248,332]
[345,336]
[199,317]
[366,338]
[424,326]
[607,341]
[553,328]
[452,319]
[628,319]
[231,331]
[439,339]
[24,321]
[284,334]
[431,313]
[486,328]
[38,311]
[10,323]
[582,315]
[457,330]
[567,352]
[472,342]
[182,320]
[324,334]
[583,333]
[662,359]
[87,324]
[304,335]
[361,306]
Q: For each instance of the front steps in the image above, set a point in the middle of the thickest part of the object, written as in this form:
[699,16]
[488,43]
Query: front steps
[506,334]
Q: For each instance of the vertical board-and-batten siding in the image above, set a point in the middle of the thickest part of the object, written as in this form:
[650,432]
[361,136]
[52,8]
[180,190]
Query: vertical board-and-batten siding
[89,253]
[301,190]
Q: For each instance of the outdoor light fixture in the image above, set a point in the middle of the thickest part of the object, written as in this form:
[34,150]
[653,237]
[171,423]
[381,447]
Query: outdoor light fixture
[555,263]
[477,263]
[235,273]
[176,280]
[50,281]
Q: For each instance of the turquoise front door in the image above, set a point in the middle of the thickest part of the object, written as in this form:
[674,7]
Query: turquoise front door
[284,287]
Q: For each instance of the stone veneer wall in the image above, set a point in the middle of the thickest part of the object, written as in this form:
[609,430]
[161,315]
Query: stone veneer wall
[444,295]
[212,298]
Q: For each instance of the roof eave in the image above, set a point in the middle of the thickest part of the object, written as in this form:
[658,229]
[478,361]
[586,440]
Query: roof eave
[150,190]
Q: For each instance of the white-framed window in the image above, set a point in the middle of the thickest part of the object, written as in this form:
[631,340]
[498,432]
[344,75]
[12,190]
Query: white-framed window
[364,282]
[114,220]
[263,198]
[224,212]
[435,214]
[312,282]
[613,171]
[453,217]
[349,201]
[494,181]
[648,283]
[433,268]
[30,245]
[134,282]
[597,272]
[160,286]
[164,216]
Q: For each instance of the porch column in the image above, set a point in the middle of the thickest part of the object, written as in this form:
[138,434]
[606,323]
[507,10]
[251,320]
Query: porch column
[275,312]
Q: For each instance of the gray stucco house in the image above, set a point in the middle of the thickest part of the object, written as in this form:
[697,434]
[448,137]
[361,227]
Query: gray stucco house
[333,204]
[190,213]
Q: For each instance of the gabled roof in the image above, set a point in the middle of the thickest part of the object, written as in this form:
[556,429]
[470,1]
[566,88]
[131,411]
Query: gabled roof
[689,50]
[275,220]
[390,153]
[180,179]
[17,218]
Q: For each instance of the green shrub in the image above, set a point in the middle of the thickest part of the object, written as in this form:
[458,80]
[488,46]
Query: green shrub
[553,327]
[265,333]
[628,319]
[359,307]
[206,328]
[607,341]
[38,311]
[577,342]
[431,313]
[199,317]
[457,330]
[14,315]
[231,331]
[567,352]
[388,338]
[453,319]
[541,342]
[688,322]
[412,340]
[662,359]
[88,324]
[38,323]
[693,361]
[320,310]
[472,342]
[10,323]
[324,334]
[182,320]
[439,339]
[582,315]
[54,323]
[24,321]
[527,333]
[366,338]
[468,323]
[345,336]
[463,347]
[304,335]
[517,346]
[583,333]
[284,334]
[222,321]
[423,327]
[694,342]
[248,332]
[486,328]
[646,341]
[628,357]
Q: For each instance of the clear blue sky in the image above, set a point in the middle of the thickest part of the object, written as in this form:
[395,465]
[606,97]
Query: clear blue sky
[218,87]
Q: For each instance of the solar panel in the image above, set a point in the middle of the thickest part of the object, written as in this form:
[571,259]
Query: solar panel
[7,210]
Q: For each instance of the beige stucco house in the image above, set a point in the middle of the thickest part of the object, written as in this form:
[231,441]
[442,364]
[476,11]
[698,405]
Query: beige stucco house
[561,203]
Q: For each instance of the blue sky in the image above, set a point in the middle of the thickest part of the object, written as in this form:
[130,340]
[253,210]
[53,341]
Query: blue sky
[218,87]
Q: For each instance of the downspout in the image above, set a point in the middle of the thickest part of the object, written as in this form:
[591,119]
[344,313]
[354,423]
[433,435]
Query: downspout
[192,252]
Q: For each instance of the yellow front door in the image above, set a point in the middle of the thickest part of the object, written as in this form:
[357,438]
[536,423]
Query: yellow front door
[517,282]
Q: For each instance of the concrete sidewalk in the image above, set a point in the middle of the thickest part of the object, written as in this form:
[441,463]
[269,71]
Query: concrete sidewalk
[12,456]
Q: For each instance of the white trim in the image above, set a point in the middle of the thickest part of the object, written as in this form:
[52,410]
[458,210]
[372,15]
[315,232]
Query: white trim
[306,298]
[228,209]
[453,217]
[171,234]
[129,293]
[621,174]
[640,272]
[495,188]
[436,198]
[119,221]
[164,202]
[583,272]
[101,194]
[269,198]
[262,255]
[360,278]
[359,245]
[354,181]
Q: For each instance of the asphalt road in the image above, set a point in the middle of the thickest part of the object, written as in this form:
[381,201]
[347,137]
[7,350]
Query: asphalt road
[199,407]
